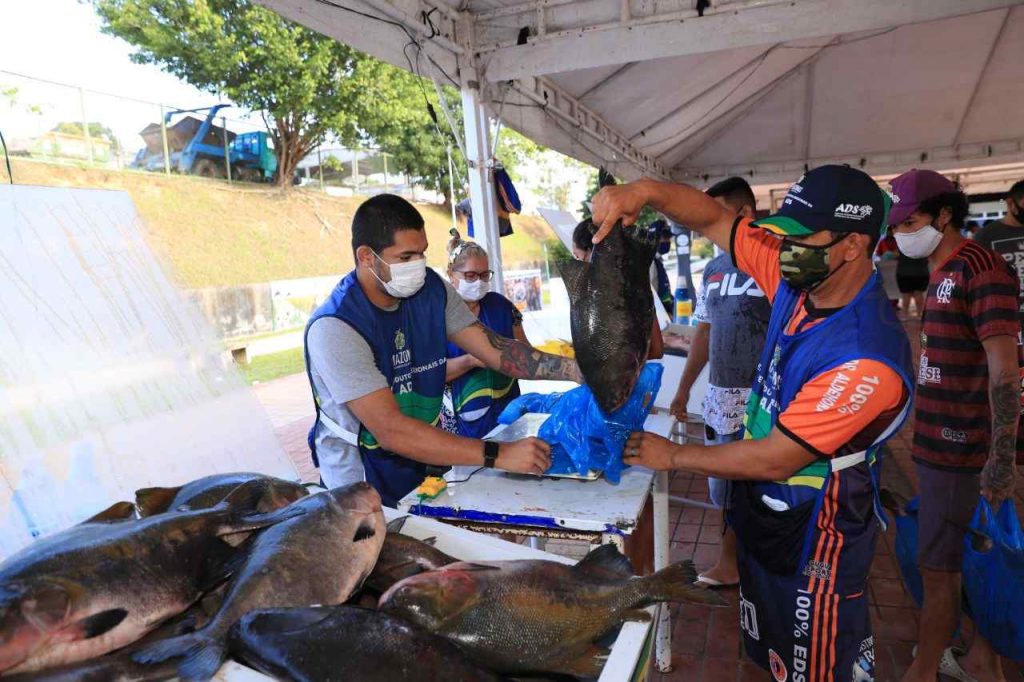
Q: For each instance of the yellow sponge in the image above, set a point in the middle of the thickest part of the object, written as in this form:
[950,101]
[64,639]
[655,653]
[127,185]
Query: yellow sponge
[431,487]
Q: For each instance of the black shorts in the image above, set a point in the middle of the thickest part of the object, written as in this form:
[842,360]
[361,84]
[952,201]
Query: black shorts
[909,284]
[948,500]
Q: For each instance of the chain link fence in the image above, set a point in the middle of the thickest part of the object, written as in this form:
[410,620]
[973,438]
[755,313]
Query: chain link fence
[63,123]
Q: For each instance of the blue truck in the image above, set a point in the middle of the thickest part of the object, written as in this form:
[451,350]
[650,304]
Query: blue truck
[197,147]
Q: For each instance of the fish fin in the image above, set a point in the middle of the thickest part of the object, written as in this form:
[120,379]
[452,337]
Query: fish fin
[220,563]
[395,525]
[572,273]
[432,540]
[98,623]
[637,616]
[150,501]
[608,561]
[201,656]
[676,583]
[119,511]
[257,521]
[365,531]
[277,620]
[590,664]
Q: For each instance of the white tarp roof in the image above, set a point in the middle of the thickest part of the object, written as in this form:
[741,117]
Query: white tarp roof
[752,87]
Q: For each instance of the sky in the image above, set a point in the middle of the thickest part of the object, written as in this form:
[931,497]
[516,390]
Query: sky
[60,40]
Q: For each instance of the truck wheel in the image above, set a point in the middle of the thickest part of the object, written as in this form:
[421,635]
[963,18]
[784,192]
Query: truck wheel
[207,168]
[249,175]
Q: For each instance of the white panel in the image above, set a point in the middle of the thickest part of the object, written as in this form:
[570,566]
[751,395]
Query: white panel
[109,380]
[903,90]
[997,111]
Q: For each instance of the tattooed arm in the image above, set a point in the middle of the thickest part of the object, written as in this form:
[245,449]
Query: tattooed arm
[514,358]
[998,476]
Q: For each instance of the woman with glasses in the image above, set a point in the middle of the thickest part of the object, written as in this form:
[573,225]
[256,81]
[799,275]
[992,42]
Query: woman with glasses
[475,395]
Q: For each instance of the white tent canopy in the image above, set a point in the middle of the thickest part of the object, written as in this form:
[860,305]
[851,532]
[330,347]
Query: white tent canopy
[762,87]
[759,88]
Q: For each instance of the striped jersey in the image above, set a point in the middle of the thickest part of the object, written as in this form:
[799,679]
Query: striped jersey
[972,297]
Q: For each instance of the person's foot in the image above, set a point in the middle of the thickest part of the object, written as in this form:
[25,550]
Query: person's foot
[978,670]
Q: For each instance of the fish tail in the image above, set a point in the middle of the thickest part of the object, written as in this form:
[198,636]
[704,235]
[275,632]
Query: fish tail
[676,584]
[201,655]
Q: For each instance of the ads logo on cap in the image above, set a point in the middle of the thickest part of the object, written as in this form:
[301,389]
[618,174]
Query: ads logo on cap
[853,211]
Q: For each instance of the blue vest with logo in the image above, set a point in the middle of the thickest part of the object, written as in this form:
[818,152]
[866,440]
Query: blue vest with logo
[409,346]
[479,396]
[792,544]
[866,328]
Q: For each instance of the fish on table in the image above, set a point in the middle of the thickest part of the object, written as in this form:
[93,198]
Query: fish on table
[611,313]
[321,559]
[347,644]
[110,580]
[402,556]
[271,493]
[531,616]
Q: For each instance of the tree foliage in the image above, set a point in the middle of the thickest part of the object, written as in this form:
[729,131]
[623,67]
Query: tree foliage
[249,54]
[97,131]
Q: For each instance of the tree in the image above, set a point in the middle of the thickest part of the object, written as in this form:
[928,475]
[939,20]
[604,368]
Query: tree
[297,78]
[647,216]
[97,131]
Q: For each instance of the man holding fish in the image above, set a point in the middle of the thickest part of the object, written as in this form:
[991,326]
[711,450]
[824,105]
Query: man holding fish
[832,385]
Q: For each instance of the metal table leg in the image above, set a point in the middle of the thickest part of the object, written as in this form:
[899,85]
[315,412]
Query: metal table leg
[662,539]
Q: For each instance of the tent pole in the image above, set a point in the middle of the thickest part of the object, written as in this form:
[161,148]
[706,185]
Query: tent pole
[482,195]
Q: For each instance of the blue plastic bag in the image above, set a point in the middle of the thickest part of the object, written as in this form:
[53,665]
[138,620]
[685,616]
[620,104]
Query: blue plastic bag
[906,551]
[994,579]
[582,437]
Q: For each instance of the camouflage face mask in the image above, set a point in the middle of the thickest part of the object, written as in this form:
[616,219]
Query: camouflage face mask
[805,266]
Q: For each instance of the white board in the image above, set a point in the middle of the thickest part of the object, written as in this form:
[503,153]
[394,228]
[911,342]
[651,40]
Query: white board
[562,222]
[109,380]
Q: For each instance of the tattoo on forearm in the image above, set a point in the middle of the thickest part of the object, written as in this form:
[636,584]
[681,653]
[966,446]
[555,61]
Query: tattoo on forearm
[522,361]
[999,472]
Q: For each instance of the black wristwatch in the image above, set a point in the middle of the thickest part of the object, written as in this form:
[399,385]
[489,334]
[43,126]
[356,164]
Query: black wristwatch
[490,453]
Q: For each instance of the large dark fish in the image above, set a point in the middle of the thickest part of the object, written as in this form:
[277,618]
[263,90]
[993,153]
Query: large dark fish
[208,491]
[106,582]
[519,617]
[402,556]
[611,313]
[321,559]
[347,644]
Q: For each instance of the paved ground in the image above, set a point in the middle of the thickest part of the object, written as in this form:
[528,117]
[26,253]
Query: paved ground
[706,643]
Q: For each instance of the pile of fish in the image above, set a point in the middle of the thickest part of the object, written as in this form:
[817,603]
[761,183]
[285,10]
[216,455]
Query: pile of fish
[611,313]
[254,568]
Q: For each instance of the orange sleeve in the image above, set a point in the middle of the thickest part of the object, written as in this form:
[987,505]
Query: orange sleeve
[756,252]
[844,409]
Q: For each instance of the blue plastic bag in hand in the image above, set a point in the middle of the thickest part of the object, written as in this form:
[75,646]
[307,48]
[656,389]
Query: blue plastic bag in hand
[994,577]
[581,436]
[906,551]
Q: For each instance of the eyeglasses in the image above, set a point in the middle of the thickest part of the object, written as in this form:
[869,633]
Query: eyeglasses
[472,276]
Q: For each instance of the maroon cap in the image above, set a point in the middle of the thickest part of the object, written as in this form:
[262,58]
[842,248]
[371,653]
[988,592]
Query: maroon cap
[913,187]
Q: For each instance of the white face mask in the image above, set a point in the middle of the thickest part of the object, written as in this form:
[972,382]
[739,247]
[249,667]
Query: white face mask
[472,291]
[918,244]
[406,278]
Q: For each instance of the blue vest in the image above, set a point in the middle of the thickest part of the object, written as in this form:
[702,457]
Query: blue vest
[479,396]
[408,346]
[868,328]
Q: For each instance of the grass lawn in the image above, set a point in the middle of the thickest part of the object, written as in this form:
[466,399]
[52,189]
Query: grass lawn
[268,367]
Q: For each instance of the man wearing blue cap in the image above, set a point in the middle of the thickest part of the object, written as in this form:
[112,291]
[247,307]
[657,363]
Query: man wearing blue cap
[832,385]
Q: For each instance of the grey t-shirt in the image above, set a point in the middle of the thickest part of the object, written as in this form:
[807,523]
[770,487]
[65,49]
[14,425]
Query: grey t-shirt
[343,369]
[738,312]
[1008,242]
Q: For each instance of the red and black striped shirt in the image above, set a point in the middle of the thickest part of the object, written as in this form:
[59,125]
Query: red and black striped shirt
[971,297]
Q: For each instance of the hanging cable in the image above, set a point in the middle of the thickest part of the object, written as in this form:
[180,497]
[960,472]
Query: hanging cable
[7,158]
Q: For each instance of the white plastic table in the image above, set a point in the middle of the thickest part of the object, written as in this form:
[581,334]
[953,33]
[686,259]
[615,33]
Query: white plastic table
[596,511]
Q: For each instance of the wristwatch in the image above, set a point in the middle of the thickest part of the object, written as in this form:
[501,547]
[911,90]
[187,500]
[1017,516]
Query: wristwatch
[490,453]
